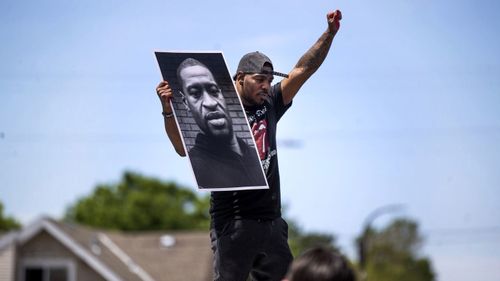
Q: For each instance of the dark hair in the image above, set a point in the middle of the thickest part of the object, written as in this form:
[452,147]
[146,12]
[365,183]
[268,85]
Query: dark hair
[321,264]
[187,63]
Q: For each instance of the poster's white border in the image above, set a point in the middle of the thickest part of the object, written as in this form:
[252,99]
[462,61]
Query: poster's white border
[242,108]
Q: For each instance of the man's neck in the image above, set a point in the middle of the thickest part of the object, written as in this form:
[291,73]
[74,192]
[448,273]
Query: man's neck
[235,146]
[231,143]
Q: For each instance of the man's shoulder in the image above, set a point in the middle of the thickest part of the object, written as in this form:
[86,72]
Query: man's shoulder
[276,87]
[197,148]
[249,150]
[275,91]
[277,98]
[242,142]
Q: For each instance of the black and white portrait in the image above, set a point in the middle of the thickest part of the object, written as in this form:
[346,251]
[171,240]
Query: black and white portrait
[212,121]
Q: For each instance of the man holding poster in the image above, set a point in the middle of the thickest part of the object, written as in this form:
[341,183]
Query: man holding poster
[249,237]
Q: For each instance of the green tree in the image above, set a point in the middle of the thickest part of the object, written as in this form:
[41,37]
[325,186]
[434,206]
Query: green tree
[141,203]
[299,240]
[7,223]
[392,253]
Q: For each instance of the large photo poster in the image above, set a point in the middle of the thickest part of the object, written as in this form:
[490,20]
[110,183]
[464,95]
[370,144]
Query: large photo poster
[212,121]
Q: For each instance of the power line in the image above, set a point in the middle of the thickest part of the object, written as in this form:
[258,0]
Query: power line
[464,230]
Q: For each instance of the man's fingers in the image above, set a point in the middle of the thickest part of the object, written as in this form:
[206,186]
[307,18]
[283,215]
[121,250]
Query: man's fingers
[164,94]
[162,85]
[338,14]
[163,89]
[334,16]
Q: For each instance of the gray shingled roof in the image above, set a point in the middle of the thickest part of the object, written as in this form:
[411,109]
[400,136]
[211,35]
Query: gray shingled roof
[140,255]
[189,258]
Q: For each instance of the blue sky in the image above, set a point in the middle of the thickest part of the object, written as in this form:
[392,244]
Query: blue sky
[405,110]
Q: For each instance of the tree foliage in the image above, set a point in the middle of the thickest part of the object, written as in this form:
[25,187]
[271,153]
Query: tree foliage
[7,223]
[392,253]
[144,203]
[141,203]
[300,240]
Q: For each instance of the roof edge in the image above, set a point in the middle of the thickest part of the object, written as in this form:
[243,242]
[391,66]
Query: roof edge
[44,223]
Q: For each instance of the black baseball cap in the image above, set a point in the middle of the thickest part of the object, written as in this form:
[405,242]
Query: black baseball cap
[254,62]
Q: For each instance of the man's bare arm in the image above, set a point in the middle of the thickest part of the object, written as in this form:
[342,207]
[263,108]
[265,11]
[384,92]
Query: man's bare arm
[165,94]
[311,60]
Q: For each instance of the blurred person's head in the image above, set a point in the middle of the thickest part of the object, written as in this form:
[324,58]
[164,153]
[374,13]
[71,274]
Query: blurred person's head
[203,98]
[320,264]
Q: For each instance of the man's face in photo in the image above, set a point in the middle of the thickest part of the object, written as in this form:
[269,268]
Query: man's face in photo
[205,101]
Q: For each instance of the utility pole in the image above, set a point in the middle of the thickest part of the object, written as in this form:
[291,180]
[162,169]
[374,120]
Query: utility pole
[363,242]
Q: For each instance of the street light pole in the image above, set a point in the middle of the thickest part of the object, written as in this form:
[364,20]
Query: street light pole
[363,241]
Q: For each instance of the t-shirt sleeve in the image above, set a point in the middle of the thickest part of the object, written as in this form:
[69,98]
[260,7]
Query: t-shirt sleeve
[277,97]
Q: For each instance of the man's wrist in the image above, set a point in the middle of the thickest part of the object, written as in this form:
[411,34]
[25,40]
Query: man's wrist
[167,114]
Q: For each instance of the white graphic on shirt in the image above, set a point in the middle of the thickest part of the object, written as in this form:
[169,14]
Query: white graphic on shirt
[267,162]
[259,129]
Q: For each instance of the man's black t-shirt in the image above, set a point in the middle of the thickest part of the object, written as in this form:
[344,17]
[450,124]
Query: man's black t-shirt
[256,204]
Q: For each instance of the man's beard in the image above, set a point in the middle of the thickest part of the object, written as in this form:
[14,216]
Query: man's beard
[221,135]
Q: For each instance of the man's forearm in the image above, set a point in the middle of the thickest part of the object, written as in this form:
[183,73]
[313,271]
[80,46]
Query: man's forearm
[314,57]
[311,60]
[174,135]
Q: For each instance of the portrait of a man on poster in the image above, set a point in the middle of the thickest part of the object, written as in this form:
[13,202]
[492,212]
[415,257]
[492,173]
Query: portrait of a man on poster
[212,121]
